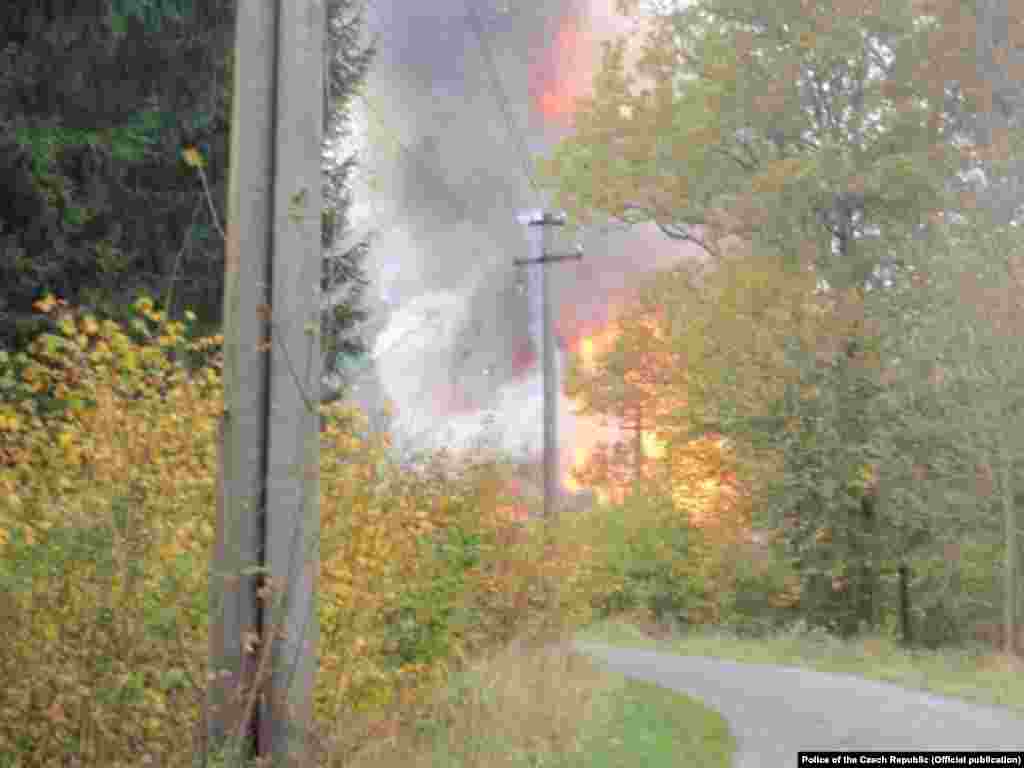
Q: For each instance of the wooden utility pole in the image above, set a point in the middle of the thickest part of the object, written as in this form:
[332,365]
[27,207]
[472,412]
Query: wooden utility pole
[539,238]
[263,642]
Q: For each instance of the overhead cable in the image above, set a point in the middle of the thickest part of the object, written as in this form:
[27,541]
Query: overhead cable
[499,92]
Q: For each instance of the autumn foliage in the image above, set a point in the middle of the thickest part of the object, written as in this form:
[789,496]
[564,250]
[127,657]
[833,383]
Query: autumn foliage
[108,461]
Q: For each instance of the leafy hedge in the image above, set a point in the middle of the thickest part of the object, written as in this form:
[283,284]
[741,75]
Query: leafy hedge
[107,511]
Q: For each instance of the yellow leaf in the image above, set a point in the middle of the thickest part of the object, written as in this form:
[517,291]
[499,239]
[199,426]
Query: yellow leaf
[46,304]
[192,158]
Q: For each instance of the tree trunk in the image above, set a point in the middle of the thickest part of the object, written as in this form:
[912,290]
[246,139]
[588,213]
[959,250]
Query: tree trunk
[877,545]
[1010,561]
[906,630]
[869,566]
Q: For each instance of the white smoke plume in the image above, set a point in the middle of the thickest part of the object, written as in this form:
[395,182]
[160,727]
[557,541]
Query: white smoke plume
[456,343]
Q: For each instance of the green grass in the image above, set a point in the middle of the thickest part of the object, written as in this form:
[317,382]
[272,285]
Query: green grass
[621,633]
[969,674]
[656,727]
[557,708]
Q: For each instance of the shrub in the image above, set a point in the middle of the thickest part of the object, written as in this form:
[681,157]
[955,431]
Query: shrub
[645,551]
[107,512]
[99,528]
[754,605]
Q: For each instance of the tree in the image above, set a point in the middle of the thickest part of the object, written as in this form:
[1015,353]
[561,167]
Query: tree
[104,202]
[813,143]
[622,382]
[765,367]
[1001,61]
[969,345]
[348,61]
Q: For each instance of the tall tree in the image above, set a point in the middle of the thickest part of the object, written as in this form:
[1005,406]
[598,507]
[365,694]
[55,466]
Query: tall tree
[347,59]
[103,203]
[958,393]
[826,134]
[1001,65]
[621,381]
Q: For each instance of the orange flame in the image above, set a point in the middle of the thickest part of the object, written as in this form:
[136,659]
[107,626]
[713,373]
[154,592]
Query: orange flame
[558,82]
[587,352]
[578,460]
[564,73]
[653,447]
[590,431]
[591,346]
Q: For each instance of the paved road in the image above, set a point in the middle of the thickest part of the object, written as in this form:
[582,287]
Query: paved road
[774,712]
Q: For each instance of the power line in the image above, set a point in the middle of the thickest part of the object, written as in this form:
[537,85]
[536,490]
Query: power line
[403,150]
[495,80]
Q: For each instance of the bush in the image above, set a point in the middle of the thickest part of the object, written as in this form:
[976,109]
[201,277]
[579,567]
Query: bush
[99,523]
[752,606]
[107,512]
[646,559]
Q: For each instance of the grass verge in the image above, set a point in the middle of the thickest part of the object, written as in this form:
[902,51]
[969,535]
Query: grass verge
[553,707]
[656,727]
[966,673]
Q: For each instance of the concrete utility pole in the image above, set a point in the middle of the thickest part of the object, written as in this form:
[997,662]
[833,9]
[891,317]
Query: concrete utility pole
[268,517]
[538,233]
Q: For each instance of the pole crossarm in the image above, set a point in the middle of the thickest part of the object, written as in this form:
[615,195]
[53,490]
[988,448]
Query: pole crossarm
[576,255]
[544,219]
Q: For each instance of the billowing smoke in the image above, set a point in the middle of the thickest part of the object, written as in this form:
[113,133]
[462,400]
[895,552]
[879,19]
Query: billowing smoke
[457,343]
